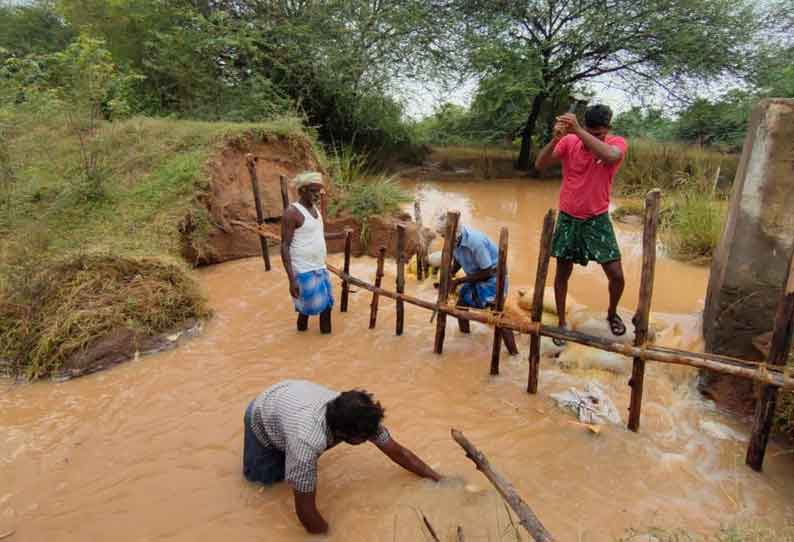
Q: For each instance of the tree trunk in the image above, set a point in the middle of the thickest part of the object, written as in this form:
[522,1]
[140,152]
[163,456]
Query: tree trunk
[524,161]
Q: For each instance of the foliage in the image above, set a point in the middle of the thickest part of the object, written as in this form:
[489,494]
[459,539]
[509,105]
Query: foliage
[651,42]
[646,123]
[359,193]
[50,312]
[671,167]
[694,226]
[32,28]
[722,122]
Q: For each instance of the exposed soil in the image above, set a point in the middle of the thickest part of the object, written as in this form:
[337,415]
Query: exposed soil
[230,207]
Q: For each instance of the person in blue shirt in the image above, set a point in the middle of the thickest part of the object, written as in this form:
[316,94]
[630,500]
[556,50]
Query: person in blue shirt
[478,256]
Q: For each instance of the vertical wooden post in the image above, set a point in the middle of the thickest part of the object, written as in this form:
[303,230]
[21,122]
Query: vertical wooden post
[501,276]
[400,278]
[443,286]
[345,284]
[420,252]
[324,205]
[284,192]
[779,349]
[373,308]
[652,200]
[260,218]
[544,255]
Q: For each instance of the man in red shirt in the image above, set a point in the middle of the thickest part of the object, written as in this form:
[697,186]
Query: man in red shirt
[590,158]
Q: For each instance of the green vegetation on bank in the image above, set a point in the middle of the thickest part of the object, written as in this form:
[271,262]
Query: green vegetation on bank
[83,256]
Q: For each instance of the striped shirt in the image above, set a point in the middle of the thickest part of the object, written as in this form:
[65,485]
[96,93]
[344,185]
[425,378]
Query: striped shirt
[290,416]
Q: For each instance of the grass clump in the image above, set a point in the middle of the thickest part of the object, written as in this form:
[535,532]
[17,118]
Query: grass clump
[672,167]
[359,193]
[51,312]
[693,226]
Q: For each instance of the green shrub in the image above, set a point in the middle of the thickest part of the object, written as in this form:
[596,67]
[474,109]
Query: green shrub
[693,225]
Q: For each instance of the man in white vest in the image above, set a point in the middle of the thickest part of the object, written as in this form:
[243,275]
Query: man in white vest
[303,253]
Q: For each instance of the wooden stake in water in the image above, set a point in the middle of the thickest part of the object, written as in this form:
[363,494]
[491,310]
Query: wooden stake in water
[544,255]
[284,192]
[444,279]
[420,249]
[499,304]
[346,284]
[652,200]
[400,282]
[373,308]
[250,161]
[779,349]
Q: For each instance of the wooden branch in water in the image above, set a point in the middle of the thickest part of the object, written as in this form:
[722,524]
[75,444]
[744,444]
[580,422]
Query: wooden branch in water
[429,527]
[652,201]
[460,537]
[544,254]
[501,276]
[526,516]
[400,280]
[444,278]
[373,310]
[779,349]
[345,283]
[250,161]
[284,192]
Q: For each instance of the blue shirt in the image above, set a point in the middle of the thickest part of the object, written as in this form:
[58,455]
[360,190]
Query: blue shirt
[475,251]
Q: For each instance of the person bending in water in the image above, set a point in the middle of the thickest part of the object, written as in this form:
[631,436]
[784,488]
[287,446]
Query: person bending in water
[292,423]
[590,158]
[303,253]
[478,256]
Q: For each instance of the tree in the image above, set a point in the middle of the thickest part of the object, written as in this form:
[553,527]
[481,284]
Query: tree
[32,27]
[650,43]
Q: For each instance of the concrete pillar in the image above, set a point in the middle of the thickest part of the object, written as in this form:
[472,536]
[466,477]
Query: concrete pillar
[749,265]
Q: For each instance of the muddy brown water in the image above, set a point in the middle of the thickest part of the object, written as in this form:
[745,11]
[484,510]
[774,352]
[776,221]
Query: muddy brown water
[150,450]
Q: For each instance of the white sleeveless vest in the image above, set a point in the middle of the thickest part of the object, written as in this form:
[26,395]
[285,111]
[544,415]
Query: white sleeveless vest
[307,249]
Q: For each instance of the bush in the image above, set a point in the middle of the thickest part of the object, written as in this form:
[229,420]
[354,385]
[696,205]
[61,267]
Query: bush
[361,194]
[693,225]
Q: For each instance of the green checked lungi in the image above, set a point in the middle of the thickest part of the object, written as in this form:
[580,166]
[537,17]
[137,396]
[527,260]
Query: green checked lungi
[585,240]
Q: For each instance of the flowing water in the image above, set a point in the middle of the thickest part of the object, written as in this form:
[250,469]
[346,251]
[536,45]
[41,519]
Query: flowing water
[150,450]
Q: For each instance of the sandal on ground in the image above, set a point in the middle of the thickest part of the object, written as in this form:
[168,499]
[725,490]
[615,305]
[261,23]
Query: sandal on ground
[616,325]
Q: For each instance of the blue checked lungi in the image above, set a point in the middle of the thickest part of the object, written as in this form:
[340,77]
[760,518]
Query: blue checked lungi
[315,294]
[478,295]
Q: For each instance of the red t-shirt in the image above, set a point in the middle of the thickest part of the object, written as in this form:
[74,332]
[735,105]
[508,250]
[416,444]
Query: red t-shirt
[586,179]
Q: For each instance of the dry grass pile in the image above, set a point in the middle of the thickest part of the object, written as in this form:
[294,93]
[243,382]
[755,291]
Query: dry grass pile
[52,312]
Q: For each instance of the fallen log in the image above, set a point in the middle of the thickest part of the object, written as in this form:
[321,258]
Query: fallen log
[526,516]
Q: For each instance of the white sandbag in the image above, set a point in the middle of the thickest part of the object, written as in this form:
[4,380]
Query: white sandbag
[592,405]
[577,356]
[549,304]
[434,259]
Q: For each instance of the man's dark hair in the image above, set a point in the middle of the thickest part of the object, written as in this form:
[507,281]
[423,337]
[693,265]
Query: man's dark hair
[355,414]
[598,116]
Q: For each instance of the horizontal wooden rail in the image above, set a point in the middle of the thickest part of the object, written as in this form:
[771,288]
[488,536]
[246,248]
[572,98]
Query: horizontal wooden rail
[648,352]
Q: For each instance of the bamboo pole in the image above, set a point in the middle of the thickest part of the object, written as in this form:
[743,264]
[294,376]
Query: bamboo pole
[345,283]
[652,200]
[250,161]
[284,191]
[400,280]
[779,349]
[501,275]
[420,249]
[714,362]
[526,516]
[544,255]
[443,286]
[373,308]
